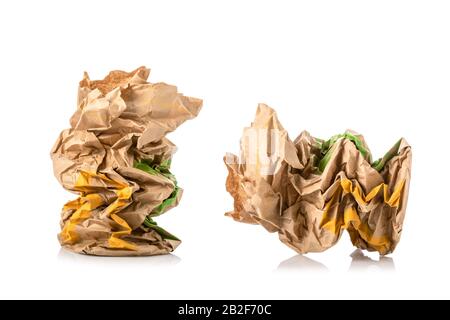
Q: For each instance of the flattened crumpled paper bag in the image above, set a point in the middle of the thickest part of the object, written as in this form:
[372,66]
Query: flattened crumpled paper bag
[116,157]
[310,190]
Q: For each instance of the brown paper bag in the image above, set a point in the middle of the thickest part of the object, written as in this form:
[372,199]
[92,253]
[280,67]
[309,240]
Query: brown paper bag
[310,190]
[116,157]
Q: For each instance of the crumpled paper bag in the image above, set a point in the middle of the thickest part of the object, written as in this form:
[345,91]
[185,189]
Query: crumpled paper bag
[116,157]
[310,190]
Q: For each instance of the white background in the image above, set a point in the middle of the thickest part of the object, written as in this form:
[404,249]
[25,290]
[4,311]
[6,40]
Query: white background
[378,67]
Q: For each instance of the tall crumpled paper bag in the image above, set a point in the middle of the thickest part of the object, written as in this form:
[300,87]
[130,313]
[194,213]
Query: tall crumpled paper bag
[115,156]
[310,190]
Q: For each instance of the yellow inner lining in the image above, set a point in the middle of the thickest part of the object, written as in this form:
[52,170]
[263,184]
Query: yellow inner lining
[84,205]
[334,224]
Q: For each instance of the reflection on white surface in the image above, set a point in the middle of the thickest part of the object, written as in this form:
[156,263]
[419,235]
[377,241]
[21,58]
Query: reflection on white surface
[361,262]
[156,261]
[300,262]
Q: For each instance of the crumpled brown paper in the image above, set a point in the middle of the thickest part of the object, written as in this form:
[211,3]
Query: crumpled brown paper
[116,157]
[310,190]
